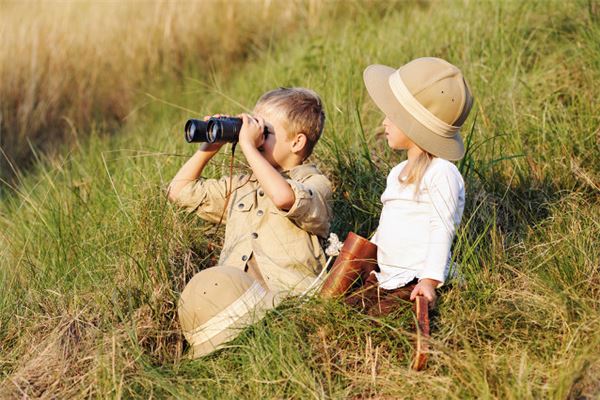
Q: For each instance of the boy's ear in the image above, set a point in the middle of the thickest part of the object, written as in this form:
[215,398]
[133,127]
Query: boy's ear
[299,143]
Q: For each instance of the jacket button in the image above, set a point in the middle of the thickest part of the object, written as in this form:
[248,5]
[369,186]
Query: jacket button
[261,193]
[244,258]
[241,205]
[260,213]
[254,235]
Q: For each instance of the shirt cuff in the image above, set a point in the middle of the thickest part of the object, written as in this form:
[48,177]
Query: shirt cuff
[302,196]
[191,195]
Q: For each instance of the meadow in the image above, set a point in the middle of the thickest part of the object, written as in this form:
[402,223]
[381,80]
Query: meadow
[93,257]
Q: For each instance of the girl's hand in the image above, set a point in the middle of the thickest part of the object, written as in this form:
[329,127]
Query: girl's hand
[252,130]
[426,288]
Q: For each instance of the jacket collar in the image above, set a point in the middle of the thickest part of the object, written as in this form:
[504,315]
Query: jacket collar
[296,173]
[302,171]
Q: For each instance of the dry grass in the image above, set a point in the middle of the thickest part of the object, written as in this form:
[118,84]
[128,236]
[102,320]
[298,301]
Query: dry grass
[67,64]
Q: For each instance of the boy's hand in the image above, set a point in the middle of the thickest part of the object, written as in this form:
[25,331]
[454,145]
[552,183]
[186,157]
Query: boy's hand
[426,288]
[252,130]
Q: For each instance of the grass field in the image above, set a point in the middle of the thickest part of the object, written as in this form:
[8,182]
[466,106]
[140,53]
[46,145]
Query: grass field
[92,256]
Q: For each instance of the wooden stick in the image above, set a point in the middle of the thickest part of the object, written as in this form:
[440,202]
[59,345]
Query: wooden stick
[422,341]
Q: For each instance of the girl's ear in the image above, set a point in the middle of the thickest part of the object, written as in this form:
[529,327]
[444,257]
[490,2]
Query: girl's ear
[299,143]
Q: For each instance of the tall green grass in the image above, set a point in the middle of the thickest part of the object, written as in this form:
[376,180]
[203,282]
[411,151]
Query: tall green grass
[93,256]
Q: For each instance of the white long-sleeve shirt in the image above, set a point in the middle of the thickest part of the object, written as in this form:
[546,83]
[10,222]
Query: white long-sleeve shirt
[415,232]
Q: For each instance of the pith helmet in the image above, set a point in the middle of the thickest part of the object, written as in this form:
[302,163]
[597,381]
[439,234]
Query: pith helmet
[217,304]
[427,98]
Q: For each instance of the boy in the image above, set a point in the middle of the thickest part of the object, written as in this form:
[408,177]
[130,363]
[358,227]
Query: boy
[275,215]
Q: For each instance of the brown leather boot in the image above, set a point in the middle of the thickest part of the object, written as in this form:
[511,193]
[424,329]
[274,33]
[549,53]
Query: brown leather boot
[364,297]
[387,300]
[352,267]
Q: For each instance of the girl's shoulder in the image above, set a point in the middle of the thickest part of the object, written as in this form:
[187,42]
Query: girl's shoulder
[440,164]
[442,170]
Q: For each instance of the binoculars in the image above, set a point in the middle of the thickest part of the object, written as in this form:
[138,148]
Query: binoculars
[215,130]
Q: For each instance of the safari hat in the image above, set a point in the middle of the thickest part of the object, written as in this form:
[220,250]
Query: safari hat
[217,304]
[428,99]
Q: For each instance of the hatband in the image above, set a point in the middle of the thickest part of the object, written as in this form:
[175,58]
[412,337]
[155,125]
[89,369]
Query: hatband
[417,110]
[224,319]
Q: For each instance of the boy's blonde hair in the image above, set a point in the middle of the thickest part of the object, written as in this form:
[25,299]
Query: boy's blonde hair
[302,110]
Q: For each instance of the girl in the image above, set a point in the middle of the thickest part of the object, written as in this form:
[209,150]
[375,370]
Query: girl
[425,103]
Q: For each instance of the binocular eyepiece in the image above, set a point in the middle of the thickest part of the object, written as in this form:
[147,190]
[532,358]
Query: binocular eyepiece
[221,129]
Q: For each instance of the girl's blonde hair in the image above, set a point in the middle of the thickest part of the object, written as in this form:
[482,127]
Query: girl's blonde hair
[415,175]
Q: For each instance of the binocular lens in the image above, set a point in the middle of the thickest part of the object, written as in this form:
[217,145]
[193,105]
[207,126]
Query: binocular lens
[213,132]
[222,129]
[195,131]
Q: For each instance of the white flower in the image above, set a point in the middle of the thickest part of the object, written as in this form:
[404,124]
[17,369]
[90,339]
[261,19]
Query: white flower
[334,245]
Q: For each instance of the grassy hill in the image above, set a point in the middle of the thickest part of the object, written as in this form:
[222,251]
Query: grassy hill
[92,256]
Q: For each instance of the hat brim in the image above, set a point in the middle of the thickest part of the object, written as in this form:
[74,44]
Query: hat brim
[376,78]
[254,315]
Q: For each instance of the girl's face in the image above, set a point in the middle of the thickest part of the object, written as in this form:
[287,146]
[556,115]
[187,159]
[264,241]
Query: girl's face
[396,139]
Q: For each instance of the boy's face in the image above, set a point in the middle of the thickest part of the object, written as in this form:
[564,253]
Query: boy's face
[277,147]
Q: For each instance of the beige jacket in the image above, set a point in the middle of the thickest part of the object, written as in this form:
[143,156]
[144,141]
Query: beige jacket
[285,245]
